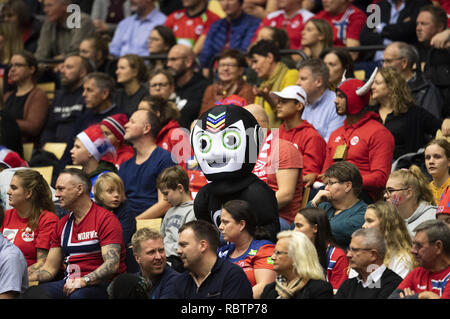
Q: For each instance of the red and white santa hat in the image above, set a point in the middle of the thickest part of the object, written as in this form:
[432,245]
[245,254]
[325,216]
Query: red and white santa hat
[11,159]
[116,124]
[95,142]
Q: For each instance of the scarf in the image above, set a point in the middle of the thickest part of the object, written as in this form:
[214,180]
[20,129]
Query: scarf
[287,290]
[274,81]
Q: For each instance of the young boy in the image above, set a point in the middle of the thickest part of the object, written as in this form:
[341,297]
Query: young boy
[89,147]
[291,103]
[173,183]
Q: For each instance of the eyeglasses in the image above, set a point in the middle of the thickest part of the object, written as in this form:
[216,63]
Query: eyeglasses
[388,191]
[227,65]
[155,85]
[278,252]
[357,250]
[175,58]
[389,61]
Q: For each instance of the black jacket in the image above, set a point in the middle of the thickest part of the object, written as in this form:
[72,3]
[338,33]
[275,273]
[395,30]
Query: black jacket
[314,289]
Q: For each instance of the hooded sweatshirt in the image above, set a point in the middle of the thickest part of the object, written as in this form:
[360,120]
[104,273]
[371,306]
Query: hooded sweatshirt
[425,211]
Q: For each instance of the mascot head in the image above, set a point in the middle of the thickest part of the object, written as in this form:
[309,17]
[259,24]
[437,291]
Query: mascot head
[226,140]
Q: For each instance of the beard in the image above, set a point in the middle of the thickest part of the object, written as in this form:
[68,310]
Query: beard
[69,83]
[177,73]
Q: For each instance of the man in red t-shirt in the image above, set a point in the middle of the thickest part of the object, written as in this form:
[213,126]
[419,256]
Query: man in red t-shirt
[89,241]
[346,19]
[431,247]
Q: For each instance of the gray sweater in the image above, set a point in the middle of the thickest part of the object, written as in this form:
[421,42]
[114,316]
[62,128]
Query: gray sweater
[424,212]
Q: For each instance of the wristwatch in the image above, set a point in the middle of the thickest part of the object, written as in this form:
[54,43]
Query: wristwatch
[87,280]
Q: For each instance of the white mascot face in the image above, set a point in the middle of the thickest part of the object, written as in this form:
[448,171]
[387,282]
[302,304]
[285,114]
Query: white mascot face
[220,150]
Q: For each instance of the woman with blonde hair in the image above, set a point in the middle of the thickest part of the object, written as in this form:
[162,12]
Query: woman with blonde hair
[31,221]
[399,114]
[384,216]
[408,190]
[437,162]
[300,275]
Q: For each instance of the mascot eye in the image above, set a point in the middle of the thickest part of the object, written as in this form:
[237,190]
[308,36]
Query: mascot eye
[231,140]
[204,143]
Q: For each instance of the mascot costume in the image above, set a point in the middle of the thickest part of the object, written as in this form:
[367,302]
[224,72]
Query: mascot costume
[226,140]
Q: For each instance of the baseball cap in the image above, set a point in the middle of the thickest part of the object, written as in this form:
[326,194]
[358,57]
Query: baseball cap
[294,92]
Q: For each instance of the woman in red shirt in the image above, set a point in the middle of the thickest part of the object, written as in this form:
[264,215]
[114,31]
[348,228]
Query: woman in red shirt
[31,221]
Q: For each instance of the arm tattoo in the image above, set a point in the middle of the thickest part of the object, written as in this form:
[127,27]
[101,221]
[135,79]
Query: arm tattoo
[41,257]
[111,261]
[43,275]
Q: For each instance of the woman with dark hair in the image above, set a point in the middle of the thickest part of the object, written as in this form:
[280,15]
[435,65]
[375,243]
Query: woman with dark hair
[26,105]
[341,200]
[314,223]
[230,67]
[161,40]
[31,221]
[437,162]
[247,246]
[410,124]
[131,75]
[338,61]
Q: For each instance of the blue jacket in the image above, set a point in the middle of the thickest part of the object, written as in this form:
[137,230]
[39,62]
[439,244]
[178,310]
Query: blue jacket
[241,34]
[226,281]
[164,285]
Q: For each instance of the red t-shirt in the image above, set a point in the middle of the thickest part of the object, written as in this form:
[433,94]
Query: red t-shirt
[419,279]
[337,270]
[346,25]
[16,230]
[293,26]
[81,243]
[310,143]
[188,29]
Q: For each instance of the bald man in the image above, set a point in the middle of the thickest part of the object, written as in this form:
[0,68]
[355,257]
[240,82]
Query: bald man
[190,85]
[280,165]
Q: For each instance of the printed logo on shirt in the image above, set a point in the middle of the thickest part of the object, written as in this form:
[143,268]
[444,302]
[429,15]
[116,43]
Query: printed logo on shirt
[269,261]
[87,235]
[337,139]
[10,234]
[252,252]
[199,29]
[439,285]
[354,140]
[295,24]
[28,235]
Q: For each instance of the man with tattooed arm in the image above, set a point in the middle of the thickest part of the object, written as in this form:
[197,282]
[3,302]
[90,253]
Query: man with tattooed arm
[88,242]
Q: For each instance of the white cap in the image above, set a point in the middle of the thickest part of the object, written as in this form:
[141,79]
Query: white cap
[293,92]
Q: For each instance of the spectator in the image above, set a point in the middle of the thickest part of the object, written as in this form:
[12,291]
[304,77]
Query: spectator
[68,102]
[95,48]
[385,217]
[131,75]
[10,162]
[290,16]
[341,200]
[161,40]
[362,140]
[442,211]
[209,276]
[109,193]
[189,84]
[347,22]
[89,148]
[280,165]
[317,36]
[430,21]
[437,162]
[106,15]
[398,23]
[132,33]
[57,38]
[300,275]
[409,191]
[275,75]
[365,255]
[171,137]
[139,173]
[320,111]
[231,65]
[13,268]
[340,64]
[398,113]
[161,83]
[113,128]
[19,13]
[431,249]
[247,245]
[314,223]
[234,31]
[27,105]
[149,251]
[259,8]
[290,107]
[173,183]
[192,23]
[404,58]
[87,274]
[32,220]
